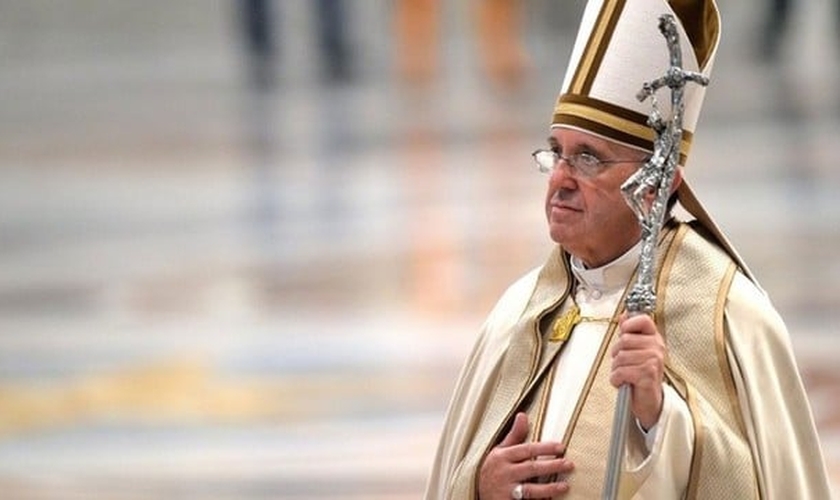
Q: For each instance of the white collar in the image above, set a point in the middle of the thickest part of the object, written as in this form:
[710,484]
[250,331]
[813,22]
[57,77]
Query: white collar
[611,275]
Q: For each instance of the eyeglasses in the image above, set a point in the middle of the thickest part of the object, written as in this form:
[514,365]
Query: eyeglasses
[582,164]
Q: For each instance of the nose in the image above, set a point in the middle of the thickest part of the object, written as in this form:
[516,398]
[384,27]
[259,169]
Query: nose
[562,171]
[564,163]
[562,176]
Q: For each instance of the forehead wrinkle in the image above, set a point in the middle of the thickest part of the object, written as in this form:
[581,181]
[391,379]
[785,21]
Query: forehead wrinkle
[599,145]
[584,141]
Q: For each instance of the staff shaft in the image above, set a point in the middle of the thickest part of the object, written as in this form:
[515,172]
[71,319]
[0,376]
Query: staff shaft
[656,176]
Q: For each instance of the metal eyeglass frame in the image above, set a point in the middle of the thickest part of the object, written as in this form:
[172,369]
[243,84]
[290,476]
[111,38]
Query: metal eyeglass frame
[584,165]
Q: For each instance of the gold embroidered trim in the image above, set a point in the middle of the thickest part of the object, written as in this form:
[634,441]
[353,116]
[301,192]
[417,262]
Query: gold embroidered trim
[596,46]
[542,404]
[720,346]
[699,439]
[662,278]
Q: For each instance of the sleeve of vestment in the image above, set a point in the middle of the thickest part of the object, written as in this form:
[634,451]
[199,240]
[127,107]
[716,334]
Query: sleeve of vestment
[661,470]
[777,416]
[472,388]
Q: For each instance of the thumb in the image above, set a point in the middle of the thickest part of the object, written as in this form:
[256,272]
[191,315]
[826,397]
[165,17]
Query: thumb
[518,431]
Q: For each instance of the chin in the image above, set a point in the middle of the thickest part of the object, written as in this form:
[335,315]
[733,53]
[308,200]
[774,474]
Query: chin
[558,234]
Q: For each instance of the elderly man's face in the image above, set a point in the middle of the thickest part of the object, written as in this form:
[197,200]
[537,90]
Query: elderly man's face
[588,215]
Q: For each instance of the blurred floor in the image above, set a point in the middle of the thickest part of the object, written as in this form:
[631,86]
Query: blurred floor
[211,291]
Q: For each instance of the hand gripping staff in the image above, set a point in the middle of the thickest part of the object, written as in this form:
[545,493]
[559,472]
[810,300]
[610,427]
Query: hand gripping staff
[654,177]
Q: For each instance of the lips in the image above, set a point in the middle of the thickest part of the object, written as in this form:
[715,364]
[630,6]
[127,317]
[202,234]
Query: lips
[556,205]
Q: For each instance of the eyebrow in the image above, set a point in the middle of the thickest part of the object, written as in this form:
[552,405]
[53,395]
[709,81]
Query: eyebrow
[583,145]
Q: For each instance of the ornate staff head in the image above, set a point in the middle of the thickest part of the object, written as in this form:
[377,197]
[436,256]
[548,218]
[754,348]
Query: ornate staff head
[657,175]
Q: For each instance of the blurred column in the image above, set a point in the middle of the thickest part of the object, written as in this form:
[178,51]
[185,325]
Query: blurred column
[416,28]
[499,25]
[436,248]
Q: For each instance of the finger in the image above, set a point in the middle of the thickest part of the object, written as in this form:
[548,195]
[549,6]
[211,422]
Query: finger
[637,358]
[544,467]
[518,431]
[640,324]
[533,450]
[636,342]
[547,490]
[643,376]
[633,341]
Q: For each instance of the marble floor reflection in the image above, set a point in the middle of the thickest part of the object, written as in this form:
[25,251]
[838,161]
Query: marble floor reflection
[209,291]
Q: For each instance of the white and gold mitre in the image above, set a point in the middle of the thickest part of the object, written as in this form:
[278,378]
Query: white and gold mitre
[619,47]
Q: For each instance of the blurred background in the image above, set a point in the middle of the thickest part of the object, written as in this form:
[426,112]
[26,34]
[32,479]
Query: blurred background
[245,245]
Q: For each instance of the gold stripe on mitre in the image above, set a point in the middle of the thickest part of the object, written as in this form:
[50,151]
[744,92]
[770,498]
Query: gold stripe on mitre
[701,22]
[611,121]
[596,46]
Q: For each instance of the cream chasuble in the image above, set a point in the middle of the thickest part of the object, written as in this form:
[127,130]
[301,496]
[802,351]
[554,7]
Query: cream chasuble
[747,431]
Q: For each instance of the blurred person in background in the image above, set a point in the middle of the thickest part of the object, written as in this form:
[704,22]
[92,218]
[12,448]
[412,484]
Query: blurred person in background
[258,28]
[718,409]
[261,32]
[776,24]
[498,26]
[334,40]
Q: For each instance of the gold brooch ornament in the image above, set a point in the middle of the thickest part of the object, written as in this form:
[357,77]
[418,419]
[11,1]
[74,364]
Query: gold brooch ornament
[562,327]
